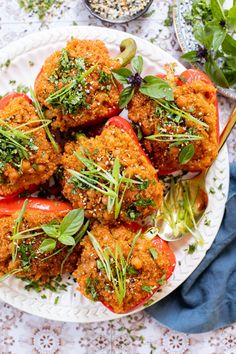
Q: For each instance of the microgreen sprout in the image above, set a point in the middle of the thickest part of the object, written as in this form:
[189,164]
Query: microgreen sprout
[43,120]
[178,210]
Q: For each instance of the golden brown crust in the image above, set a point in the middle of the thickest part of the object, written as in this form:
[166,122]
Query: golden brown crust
[192,98]
[101,101]
[148,270]
[41,163]
[38,269]
[113,142]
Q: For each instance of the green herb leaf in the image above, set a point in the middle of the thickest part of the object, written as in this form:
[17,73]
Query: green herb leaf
[47,245]
[155,87]
[217,10]
[215,73]
[229,45]
[147,288]
[218,36]
[153,252]
[122,75]
[231,17]
[51,230]
[137,64]
[67,240]
[72,222]
[186,154]
[192,248]
[126,96]
[190,57]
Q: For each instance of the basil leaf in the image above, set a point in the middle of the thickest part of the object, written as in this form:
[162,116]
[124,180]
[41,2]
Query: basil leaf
[229,69]
[72,222]
[186,154]
[218,37]
[231,17]
[137,64]
[215,73]
[51,230]
[229,45]
[190,57]
[47,245]
[67,240]
[217,10]
[122,75]
[126,96]
[203,36]
[155,87]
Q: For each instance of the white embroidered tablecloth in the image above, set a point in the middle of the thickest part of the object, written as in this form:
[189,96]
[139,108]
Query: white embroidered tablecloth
[21,333]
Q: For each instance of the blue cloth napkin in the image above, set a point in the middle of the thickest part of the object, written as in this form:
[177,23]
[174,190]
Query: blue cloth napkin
[207,299]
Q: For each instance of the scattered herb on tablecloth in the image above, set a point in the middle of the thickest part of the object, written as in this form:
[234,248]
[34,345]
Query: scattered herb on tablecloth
[41,8]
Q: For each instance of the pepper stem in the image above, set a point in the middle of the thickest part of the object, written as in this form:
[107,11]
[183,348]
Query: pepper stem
[128,49]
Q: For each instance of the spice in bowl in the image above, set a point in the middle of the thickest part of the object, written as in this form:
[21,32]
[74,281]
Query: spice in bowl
[118,11]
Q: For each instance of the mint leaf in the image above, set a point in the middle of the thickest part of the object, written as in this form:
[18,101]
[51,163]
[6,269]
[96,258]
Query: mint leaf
[47,245]
[155,87]
[51,230]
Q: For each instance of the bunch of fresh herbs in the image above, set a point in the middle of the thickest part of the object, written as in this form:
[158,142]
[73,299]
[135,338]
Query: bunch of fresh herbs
[214,29]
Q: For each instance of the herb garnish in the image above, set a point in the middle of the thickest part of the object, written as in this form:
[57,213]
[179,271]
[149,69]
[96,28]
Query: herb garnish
[177,210]
[214,29]
[106,182]
[43,120]
[115,264]
[16,145]
[68,232]
[70,84]
[150,86]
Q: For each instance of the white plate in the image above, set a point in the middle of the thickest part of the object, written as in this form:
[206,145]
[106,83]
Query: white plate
[71,305]
[185,36]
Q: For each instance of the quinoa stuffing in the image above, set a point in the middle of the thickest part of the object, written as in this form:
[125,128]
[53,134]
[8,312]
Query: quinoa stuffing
[109,177]
[135,269]
[27,157]
[167,131]
[75,85]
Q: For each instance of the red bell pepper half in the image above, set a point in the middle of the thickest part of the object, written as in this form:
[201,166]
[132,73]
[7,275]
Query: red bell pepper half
[161,246]
[9,207]
[187,77]
[5,100]
[3,103]
[124,125]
